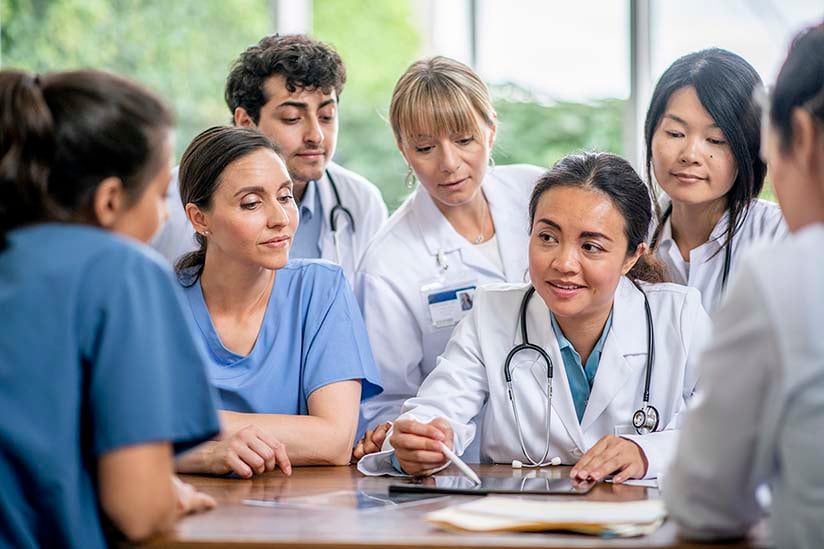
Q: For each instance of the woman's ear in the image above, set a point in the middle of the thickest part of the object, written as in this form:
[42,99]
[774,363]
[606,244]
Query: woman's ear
[493,130]
[632,259]
[197,218]
[108,202]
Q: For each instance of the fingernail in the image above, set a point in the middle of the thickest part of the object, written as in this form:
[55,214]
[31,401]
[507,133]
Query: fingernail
[582,474]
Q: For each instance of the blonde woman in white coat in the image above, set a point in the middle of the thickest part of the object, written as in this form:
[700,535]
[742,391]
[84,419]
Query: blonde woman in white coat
[702,140]
[593,280]
[462,227]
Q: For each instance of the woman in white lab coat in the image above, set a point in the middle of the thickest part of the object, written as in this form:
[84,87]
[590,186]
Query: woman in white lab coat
[702,141]
[463,226]
[761,416]
[589,218]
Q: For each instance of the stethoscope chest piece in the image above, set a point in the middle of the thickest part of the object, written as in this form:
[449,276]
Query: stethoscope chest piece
[645,420]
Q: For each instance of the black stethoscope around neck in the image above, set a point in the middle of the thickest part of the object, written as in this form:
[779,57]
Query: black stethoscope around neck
[645,419]
[338,208]
[725,274]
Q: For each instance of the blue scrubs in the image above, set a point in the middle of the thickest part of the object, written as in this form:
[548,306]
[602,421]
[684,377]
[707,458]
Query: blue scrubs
[96,354]
[312,335]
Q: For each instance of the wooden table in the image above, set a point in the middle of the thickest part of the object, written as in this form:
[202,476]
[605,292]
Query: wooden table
[234,523]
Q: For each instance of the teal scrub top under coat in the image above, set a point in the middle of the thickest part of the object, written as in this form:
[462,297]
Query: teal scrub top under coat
[581,378]
[96,353]
[312,335]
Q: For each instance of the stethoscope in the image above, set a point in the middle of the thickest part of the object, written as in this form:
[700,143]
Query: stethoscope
[645,419]
[336,209]
[727,250]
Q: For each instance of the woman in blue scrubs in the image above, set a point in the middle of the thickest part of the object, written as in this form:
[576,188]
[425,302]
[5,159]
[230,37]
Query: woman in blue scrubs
[101,377]
[290,356]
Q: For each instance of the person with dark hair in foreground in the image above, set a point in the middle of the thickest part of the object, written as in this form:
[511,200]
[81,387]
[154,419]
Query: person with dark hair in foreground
[760,417]
[101,377]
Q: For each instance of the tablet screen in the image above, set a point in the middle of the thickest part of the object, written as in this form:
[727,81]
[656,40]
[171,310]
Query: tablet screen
[493,485]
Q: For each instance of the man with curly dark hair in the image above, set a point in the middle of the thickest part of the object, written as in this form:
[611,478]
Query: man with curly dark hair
[288,87]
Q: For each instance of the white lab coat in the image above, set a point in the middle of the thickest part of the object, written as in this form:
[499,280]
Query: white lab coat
[471,373]
[404,256]
[361,197]
[705,269]
[759,415]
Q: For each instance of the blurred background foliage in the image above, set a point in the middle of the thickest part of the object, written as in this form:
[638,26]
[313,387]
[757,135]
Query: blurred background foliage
[182,49]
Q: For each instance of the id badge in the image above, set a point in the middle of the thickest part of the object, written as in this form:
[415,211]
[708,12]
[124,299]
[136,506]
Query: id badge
[447,301]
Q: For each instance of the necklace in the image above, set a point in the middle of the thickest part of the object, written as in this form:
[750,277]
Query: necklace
[480,238]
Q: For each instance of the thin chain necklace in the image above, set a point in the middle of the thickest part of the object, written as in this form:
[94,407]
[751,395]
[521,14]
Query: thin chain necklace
[480,238]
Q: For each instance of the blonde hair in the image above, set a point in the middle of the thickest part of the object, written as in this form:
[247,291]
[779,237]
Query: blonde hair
[439,96]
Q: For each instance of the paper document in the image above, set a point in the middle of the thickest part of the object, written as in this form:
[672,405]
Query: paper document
[629,518]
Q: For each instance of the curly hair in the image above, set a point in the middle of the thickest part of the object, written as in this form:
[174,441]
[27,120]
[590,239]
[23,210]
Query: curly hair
[304,62]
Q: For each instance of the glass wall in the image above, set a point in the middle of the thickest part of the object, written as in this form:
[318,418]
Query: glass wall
[558,71]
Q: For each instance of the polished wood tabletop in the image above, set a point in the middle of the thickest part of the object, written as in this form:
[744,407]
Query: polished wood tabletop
[337,507]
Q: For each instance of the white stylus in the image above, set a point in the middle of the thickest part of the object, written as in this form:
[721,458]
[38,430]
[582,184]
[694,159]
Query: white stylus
[460,464]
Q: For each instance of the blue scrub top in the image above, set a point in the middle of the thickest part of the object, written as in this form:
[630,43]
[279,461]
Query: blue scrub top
[312,335]
[96,354]
[580,377]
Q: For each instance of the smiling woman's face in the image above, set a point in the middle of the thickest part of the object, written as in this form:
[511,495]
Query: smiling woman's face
[691,158]
[578,252]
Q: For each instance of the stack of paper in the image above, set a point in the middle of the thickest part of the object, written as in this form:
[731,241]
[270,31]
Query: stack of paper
[496,514]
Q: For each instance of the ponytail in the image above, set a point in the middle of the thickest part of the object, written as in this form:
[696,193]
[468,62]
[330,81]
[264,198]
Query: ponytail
[27,146]
[648,268]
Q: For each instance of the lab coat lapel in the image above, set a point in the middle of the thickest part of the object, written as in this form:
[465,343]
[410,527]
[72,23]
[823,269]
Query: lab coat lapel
[438,234]
[541,334]
[628,337]
[511,229]
[327,241]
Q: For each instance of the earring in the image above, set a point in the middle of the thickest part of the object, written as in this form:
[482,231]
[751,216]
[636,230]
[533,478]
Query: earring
[410,179]
[491,163]
[205,232]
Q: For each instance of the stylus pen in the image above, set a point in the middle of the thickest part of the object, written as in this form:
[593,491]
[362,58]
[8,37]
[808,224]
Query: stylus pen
[460,464]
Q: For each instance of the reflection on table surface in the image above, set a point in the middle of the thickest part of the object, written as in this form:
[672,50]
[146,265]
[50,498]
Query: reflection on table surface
[339,507]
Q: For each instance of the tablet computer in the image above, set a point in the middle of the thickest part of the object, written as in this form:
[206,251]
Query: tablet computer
[493,485]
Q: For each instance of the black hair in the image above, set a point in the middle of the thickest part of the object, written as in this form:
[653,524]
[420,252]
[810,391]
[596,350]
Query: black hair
[725,83]
[614,177]
[304,63]
[201,172]
[800,83]
[64,133]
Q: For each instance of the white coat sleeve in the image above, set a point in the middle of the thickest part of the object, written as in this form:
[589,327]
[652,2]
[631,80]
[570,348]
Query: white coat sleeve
[659,447]
[396,341]
[710,488]
[456,390]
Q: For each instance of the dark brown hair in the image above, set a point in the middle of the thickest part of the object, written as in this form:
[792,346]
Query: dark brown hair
[201,170]
[64,133]
[614,177]
[302,61]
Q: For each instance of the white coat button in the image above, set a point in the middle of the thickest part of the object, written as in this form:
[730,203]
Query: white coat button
[576,453]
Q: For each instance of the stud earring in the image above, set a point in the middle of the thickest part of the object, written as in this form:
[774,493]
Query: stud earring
[410,179]
[491,163]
